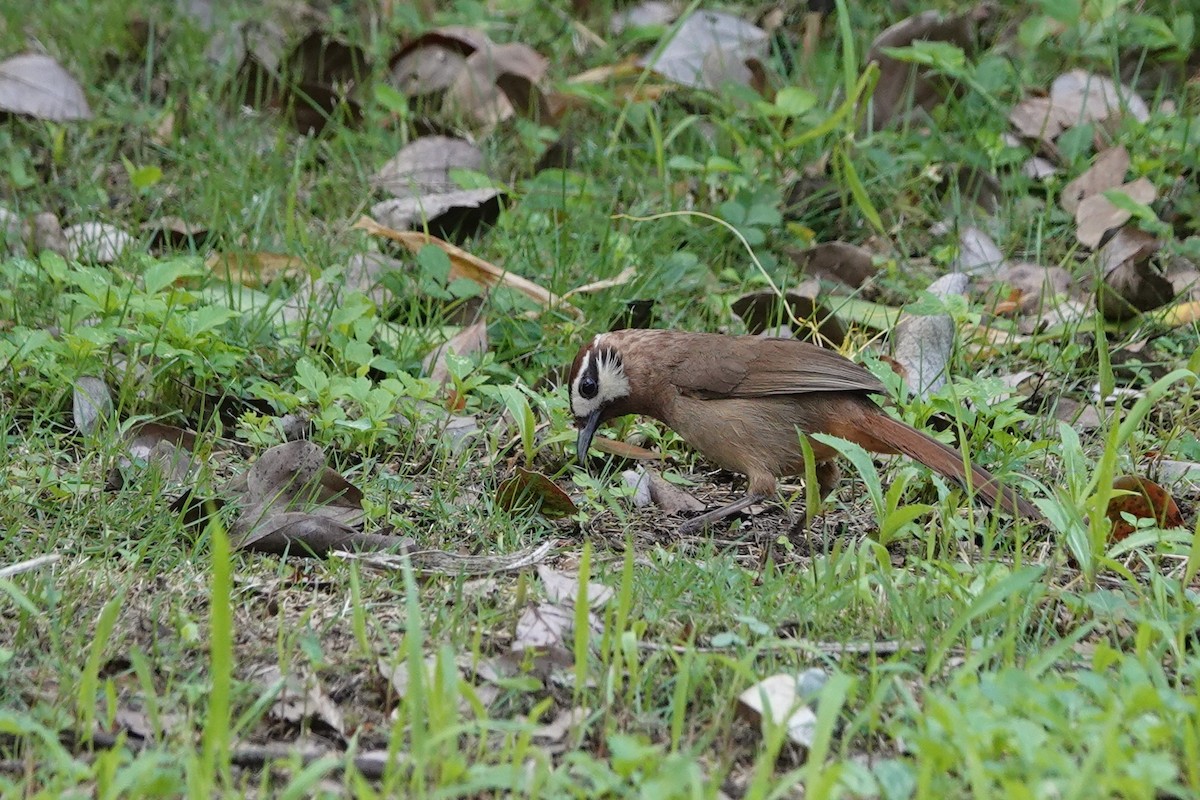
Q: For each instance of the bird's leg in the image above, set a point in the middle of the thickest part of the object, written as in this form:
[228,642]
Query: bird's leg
[717,514]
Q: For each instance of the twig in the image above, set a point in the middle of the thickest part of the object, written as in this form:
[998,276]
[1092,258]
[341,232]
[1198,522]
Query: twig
[26,566]
[889,647]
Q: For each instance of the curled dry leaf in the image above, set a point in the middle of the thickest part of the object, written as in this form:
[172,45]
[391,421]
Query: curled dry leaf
[643,15]
[652,488]
[977,252]
[1106,172]
[1076,97]
[923,344]
[1034,285]
[786,699]
[1131,284]
[91,403]
[625,276]
[430,62]
[175,234]
[454,214]
[836,261]
[470,341]
[903,87]
[709,49]
[1097,215]
[564,588]
[798,311]
[1141,498]
[255,269]
[98,242]
[300,699]
[423,166]
[466,265]
[476,91]
[35,85]
[527,486]
[620,449]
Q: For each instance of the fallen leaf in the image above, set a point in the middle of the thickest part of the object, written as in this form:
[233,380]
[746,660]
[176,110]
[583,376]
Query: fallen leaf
[1039,118]
[639,481]
[97,242]
[35,85]
[300,699]
[1141,498]
[904,87]
[923,344]
[1081,416]
[255,269]
[557,730]
[1097,215]
[322,59]
[612,447]
[456,214]
[1131,284]
[786,699]
[798,310]
[431,62]
[48,234]
[476,92]
[91,403]
[175,233]
[1106,172]
[837,261]
[1088,97]
[423,166]
[527,486]
[709,48]
[466,265]
[670,498]
[642,15]
[470,341]
[397,674]
[625,276]
[543,626]
[977,252]
[1036,286]
[564,589]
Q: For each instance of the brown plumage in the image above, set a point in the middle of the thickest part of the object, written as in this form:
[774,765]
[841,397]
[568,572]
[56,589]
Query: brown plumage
[739,400]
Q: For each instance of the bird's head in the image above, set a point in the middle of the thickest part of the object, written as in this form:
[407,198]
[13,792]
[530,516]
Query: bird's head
[598,385]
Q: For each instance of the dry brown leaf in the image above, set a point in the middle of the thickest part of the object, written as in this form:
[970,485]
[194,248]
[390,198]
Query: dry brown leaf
[543,626]
[837,261]
[642,15]
[466,265]
[470,341]
[764,312]
[1106,172]
[255,269]
[422,167]
[91,403]
[620,449]
[1081,416]
[1141,498]
[97,242]
[709,49]
[498,81]
[453,214]
[431,62]
[527,486]
[1039,118]
[564,589]
[301,699]
[904,88]
[1087,97]
[923,344]
[1096,215]
[175,234]
[977,253]
[1131,284]
[1035,286]
[627,274]
[35,85]
[670,498]
[786,699]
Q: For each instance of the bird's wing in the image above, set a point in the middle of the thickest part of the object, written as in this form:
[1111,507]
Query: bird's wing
[734,368]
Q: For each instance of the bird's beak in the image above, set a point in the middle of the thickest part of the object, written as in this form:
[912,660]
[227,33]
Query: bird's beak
[586,432]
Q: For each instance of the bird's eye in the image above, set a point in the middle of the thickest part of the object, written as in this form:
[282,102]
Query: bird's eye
[588,388]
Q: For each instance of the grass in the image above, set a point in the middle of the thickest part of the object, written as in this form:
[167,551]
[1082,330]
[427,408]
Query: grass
[965,655]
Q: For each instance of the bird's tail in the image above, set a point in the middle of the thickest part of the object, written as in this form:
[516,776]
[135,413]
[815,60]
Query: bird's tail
[883,434]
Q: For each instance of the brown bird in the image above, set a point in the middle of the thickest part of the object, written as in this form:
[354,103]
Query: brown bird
[740,400]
